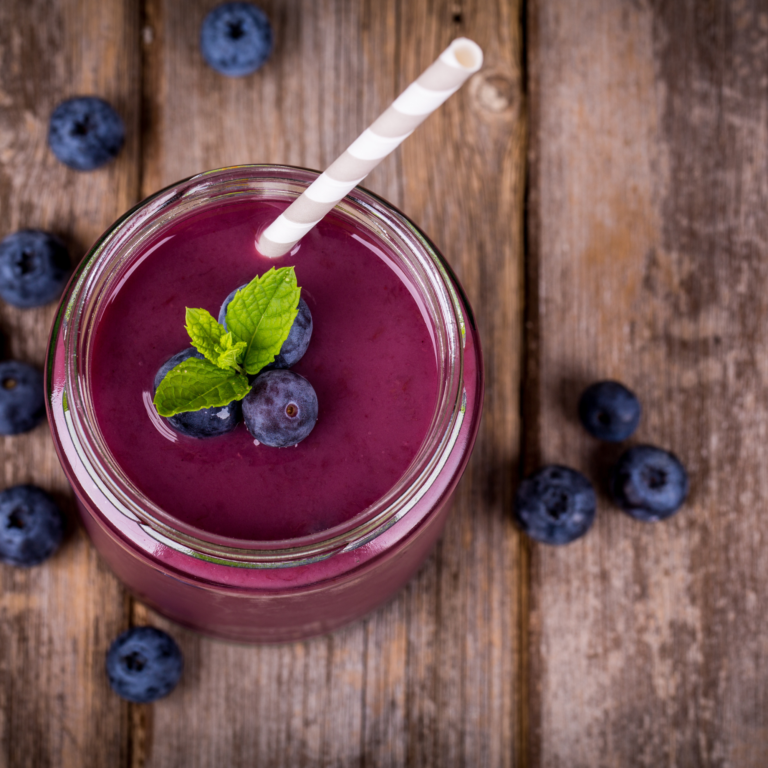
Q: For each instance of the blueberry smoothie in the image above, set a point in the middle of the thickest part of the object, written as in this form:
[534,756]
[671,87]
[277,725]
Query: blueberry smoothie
[371,361]
[227,535]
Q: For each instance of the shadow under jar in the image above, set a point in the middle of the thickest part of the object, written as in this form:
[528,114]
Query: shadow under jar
[234,539]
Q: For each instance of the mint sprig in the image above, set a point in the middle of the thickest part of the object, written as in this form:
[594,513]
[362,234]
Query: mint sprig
[259,319]
[212,340]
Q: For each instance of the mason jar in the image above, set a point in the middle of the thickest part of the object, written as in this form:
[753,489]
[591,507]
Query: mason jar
[263,591]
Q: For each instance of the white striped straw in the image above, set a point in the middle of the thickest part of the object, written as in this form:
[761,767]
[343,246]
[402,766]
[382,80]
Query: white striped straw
[449,72]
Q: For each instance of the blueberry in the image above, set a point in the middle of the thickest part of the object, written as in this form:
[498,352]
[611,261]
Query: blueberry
[649,483]
[85,133]
[555,505]
[295,345]
[207,422]
[34,267]
[609,411]
[31,525]
[144,664]
[22,402]
[223,310]
[281,409]
[236,39]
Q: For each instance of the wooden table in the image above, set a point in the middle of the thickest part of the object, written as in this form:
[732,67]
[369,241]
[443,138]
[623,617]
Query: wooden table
[601,189]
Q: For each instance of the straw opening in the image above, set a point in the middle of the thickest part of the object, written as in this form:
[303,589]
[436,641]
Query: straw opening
[467,54]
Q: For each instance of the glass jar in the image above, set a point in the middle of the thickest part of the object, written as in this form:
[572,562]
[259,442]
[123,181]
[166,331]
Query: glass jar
[263,591]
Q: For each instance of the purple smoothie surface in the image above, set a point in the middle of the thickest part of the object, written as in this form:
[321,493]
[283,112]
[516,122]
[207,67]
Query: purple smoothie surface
[371,361]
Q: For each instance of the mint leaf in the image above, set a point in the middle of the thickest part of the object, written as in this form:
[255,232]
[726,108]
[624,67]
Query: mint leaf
[205,333]
[231,353]
[195,384]
[261,315]
[212,340]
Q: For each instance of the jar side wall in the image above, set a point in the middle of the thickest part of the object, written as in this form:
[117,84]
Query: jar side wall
[278,616]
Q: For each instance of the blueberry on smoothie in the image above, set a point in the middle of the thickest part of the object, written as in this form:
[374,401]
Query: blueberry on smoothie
[34,268]
[31,525]
[609,411]
[85,133]
[555,505]
[236,39]
[649,483]
[207,422]
[281,409]
[22,401]
[295,345]
[144,664]
[223,311]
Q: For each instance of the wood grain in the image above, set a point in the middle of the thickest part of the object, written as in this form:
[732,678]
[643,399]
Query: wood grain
[57,620]
[639,645]
[647,232]
[430,679]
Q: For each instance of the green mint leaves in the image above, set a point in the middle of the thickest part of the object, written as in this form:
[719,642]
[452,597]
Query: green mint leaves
[261,315]
[212,340]
[196,384]
[231,353]
[259,318]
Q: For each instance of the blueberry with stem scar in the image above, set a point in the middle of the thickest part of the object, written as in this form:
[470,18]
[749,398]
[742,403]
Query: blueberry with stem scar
[649,483]
[85,133]
[236,39]
[22,400]
[144,664]
[555,505]
[31,525]
[34,268]
[281,409]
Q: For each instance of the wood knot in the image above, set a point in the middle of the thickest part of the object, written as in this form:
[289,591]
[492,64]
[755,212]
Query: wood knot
[494,92]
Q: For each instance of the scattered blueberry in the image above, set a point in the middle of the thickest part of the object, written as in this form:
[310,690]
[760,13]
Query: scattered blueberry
[85,133]
[649,483]
[281,409]
[609,411]
[22,402]
[555,505]
[34,267]
[144,664]
[31,525]
[295,345]
[236,39]
[207,422]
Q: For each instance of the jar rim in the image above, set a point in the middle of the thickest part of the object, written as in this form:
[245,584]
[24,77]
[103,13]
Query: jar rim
[97,272]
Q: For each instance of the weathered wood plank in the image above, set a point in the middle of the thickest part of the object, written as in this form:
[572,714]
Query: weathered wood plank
[647,230]
[57,620]
[463,182]
[430,678]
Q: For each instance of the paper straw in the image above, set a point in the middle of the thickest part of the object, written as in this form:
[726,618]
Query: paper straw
[415,104]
